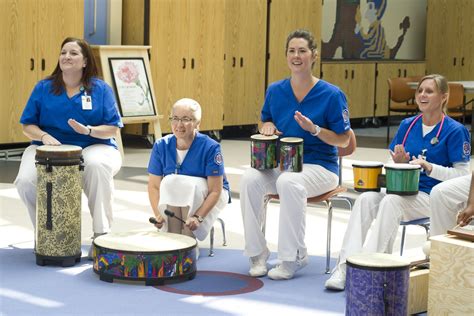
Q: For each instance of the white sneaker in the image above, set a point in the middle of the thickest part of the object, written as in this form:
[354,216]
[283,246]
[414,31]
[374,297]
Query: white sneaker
[287,269]
[258,264]
[337,281]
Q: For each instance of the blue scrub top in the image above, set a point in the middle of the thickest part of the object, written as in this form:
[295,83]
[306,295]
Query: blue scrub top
[204,158]
[454,145]
[325,105]
[51,112]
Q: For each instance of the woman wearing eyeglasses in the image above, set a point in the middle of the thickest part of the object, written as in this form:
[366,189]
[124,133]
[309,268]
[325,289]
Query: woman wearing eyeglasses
[186,175]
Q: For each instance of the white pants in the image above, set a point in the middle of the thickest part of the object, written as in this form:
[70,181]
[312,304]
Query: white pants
[387,210]
[101,163]
[187,191]
[293,188]
[447,199]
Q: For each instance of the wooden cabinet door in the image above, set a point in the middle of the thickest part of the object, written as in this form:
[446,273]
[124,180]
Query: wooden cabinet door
[285,17]
[467,41]
[245,51]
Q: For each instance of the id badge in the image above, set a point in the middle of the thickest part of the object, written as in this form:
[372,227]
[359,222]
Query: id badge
[86,102]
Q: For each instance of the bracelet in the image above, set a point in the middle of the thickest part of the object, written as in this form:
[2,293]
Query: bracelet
[318,130]
[200,219]
[90,130]
[41,138]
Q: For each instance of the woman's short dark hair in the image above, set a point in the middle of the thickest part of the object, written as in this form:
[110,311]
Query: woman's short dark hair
[304,34]
[90,70]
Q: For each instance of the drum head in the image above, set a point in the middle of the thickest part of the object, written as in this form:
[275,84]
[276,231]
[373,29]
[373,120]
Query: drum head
[61,151]
[377,261]
[264,137]
[294,140]
[367,164]
[402,166]
[145,241]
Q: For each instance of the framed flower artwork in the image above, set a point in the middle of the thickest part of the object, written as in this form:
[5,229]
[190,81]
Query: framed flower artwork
[132,86]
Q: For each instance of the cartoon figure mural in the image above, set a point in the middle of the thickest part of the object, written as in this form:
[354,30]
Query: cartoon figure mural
[359,44]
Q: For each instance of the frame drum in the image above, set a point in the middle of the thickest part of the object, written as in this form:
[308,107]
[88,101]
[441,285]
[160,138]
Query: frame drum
[366,175]
[150,256]
[291,154]
[58,204]
[263,151]
[377,284]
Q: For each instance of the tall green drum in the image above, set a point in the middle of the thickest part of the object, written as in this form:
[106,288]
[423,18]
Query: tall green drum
[58,204]
[402,178]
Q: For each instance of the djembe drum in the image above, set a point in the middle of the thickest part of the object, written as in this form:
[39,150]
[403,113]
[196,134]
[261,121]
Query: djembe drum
[58,204]
[263,151]
[150,256]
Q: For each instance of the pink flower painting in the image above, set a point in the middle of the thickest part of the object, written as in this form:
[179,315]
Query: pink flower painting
[128,72]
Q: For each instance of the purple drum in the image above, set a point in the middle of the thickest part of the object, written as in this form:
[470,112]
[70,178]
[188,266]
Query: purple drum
[377,284]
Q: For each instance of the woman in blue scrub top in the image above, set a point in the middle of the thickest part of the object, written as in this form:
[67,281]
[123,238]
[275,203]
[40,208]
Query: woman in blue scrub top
[186,175]
[73,107]
[439,144]
[312,109]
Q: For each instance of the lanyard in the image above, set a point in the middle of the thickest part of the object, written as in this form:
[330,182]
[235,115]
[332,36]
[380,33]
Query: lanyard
[434,140]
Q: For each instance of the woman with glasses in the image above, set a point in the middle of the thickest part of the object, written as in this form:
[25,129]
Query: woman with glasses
[186,175]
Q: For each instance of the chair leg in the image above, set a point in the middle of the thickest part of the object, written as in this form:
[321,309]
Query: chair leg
[328,237]
[224,243]
[403,240]
[211,241]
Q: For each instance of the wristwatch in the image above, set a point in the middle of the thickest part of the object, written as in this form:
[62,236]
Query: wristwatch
[318,130]
[199,218]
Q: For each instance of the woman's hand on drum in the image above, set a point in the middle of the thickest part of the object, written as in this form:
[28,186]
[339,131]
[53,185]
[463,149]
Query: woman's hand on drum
[268,129]
[78,127]
[304,122]
[399,155]
[422,162]
[192,223]
[47,139]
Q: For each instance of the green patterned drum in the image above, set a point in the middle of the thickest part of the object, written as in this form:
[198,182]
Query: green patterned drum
[58,204]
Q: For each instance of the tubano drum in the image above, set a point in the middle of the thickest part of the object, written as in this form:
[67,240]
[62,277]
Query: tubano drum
[263,151]
[402,178]
[150,256]
[377,284]
[291,154]
[366,174]
[58,204]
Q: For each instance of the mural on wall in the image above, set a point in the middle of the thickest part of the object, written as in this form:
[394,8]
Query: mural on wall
[358,42]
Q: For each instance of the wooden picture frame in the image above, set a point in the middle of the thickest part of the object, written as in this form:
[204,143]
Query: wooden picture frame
[132,86]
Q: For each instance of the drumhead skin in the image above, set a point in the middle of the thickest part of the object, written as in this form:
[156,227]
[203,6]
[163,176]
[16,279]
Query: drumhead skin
[264,137]
[368,164]
[379,261]
[402,166]
[291,140]
[60,151]
[150,256]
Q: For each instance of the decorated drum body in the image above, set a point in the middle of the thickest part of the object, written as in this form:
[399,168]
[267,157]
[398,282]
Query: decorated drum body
[377,284]
[402,178]
[58,204]
[291,154]
[366,174]
[263,151]
[150,256]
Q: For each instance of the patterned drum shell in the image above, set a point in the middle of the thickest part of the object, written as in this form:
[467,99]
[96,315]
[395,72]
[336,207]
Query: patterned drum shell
[291,154]
[377,284]
[263,151]
[58,204]
[150,256]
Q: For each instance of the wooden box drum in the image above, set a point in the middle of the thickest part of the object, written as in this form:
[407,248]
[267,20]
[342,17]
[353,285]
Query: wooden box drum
[377,284]
[291,154]
[366,175]
[58,204]
[402,178]
[150,256]
[263,151]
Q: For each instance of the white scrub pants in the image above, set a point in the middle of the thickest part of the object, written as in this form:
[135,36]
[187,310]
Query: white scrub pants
[387,210]
[101,163]
[293,188]
[447,199]
[187,191]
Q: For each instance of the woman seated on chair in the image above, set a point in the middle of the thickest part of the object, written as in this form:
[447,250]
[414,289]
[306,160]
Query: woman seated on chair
[316,111]
[186,175]
[439,144]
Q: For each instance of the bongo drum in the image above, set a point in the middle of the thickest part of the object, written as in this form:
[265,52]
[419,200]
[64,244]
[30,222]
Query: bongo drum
[291,154]
[263,151]
[150,256]
[366,175]
[58,204]
[377,284]
[402,178]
